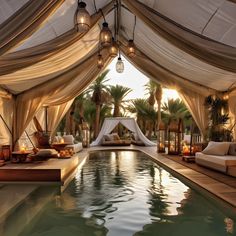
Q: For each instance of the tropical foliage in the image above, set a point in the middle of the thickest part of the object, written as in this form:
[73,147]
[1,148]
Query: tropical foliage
[102,100]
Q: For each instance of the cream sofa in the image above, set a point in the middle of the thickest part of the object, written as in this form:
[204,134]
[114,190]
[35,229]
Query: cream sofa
[224,162]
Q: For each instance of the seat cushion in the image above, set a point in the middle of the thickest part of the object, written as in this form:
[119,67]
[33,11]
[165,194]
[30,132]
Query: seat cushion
[68,139]
[232,149]
[46,152]
[76,147]
[217,148]
[215,162]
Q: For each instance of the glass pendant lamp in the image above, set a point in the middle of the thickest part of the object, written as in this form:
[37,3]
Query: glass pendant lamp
[113,51]
[119,65]
[131,48]
[105,35]
[83,19]
[100,62]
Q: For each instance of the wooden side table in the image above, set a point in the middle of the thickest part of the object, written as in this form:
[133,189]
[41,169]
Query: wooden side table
[59,146]
[19,157]
[188,158]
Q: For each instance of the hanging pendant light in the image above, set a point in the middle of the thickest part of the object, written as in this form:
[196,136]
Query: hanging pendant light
[83,19]
[100,62]
[120,65]
[113,51]
[131,48]
[105,35]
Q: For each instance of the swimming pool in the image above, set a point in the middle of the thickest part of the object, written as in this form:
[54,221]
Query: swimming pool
[126,193]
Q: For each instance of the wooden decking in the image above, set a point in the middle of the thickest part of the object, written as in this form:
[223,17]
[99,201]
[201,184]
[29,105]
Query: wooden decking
[53,170]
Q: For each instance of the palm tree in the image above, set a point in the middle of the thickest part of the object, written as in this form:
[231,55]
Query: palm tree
[99,97]
[175,110]
[158,97]
[117,94]
[146,115]
[151,88]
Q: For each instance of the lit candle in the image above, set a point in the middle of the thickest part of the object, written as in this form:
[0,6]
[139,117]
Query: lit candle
[62,140]
[23,148]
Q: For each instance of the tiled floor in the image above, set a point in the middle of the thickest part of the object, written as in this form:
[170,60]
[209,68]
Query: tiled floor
[212,185]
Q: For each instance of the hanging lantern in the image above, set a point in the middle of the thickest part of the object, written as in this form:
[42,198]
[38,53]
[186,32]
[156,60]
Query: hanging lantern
[131,48]
[105,35]
[119,65]
[113,51]
[100,61]
[83,21]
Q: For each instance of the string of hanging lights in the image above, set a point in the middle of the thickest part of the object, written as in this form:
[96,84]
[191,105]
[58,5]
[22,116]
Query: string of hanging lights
[83,24]
[82,18]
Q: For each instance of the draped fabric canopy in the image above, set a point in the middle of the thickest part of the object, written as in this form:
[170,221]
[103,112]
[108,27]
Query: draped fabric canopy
[110,123]
[189,45]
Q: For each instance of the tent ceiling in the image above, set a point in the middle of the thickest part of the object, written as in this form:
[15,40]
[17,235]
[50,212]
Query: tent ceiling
[215,19]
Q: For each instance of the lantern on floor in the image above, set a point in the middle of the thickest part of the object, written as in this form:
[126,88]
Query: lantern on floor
[105,35]
[174,137]
[6,152]
[85,134]
[83,21]
[161,138]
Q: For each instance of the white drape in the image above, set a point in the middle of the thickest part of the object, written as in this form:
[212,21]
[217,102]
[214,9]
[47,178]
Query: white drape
[110,123]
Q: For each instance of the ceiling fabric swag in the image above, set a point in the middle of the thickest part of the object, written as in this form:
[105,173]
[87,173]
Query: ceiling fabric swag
[18,60]
[194,100]
[212,52]
[55,115]
[45,70]
[61,89]
[163,75]
[24,22]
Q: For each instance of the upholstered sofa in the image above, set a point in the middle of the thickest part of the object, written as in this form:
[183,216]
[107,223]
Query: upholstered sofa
[218,156]
[71,142]
[114,140]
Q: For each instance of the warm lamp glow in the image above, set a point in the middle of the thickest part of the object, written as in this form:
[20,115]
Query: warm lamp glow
[105,35]
[119,65]
[186,149]
[62,140]
[131,48]
[100,62]
[113,51]
[23,148]
[83,21]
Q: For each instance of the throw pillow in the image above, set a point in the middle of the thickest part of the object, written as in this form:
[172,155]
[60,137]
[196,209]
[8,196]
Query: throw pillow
[106,137]
[46,152]
[116,137]
[217,148]
[68,139]
[232,149]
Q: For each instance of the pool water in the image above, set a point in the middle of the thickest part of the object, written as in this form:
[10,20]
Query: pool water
[125,193]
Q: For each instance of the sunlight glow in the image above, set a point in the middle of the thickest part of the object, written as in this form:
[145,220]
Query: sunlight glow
[134,79]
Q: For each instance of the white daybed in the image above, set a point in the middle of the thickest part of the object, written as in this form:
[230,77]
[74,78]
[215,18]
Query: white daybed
[218,156]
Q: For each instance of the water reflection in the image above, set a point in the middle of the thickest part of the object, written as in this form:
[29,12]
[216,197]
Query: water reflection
[125,193]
